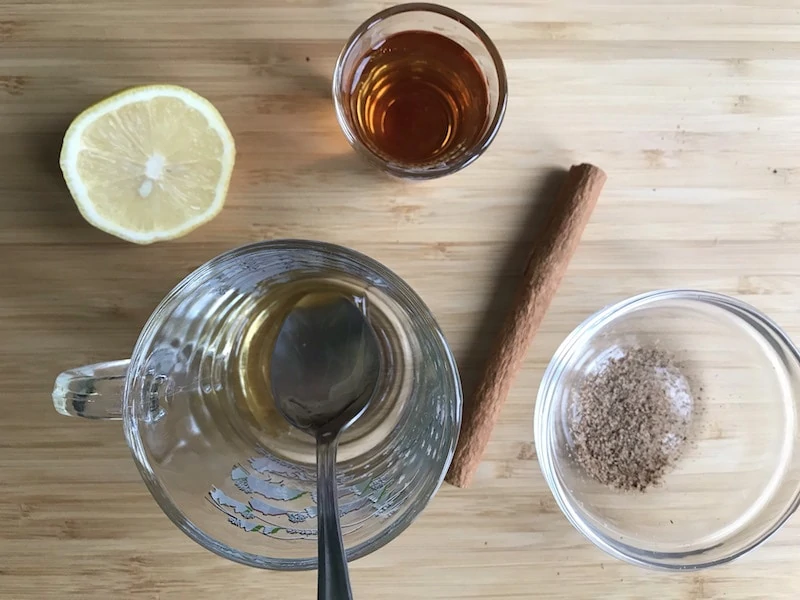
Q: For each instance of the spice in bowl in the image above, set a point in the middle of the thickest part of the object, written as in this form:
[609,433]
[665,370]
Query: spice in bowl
[631,418]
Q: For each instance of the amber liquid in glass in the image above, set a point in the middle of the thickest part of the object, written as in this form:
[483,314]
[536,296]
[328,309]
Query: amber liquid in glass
[246,401]
[417,98]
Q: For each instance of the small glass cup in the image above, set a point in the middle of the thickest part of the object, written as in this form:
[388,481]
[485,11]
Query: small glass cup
[245,487]
[420,17]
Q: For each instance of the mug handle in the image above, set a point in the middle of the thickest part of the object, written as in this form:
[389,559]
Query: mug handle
[91,392]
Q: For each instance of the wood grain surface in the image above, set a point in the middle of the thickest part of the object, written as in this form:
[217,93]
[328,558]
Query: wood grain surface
[692,107]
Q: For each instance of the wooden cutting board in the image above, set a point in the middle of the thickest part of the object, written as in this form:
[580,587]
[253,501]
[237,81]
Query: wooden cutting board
[693,109]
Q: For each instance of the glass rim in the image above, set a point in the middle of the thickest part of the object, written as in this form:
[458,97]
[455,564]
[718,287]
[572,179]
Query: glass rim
[545,405]
[469,156]
[159,491]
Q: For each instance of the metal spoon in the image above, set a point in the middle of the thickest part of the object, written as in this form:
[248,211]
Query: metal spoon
[324,370]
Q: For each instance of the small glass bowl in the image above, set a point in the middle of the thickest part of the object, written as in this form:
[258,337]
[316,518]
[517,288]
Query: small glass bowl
[738,478]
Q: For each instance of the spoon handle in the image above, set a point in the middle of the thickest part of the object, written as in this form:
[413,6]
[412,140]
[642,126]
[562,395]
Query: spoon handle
[333,582]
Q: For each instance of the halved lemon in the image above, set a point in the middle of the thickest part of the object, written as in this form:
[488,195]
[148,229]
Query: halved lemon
[150,163]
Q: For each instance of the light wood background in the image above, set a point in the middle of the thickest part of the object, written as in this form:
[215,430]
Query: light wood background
[692,107]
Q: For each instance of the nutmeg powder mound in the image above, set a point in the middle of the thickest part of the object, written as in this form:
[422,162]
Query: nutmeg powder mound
[631,418]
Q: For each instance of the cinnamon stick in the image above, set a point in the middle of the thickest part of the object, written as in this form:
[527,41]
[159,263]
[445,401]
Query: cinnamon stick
[545,269]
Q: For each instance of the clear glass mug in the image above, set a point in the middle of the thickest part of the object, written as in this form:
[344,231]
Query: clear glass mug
[222,465]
